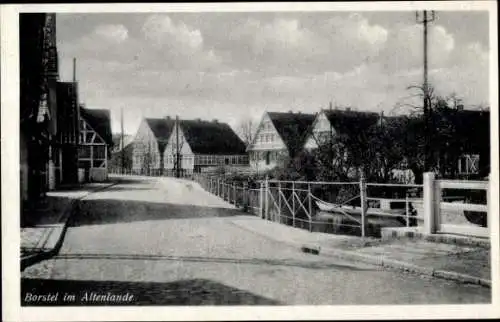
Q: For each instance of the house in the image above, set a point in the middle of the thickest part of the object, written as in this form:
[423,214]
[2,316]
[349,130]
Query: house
[279,135]
[203,144]
[149,145]
[472,144]
[38,105]
[95,143]
[331,122]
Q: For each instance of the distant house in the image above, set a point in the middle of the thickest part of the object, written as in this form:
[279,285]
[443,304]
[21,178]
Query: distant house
[95,143]
[149,145]
[203,144]
[279,135]
[472,128]
[331,122]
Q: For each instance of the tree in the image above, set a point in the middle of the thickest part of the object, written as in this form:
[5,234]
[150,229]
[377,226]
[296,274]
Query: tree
[247,130]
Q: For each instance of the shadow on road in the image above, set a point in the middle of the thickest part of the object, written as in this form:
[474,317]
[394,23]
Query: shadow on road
[95,293]
[106,211]
[127,188]
[212,259]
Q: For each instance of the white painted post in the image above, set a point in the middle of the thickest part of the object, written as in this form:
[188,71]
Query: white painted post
[437,204]
[489,213]
[364,206]
[429,203]
[293,203]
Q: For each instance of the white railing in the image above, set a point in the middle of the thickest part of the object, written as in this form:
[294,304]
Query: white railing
[434,205]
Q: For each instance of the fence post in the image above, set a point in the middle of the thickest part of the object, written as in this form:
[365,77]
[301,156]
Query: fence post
[261,200]
[234,194]
[362,194]
[310,205]
[244,196]
[293,203]
[430,203]
[489,212]
[266,200]
[407,208]
[218,185]
[279,201]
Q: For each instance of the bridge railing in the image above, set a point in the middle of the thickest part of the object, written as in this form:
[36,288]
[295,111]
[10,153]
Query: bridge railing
[364,207]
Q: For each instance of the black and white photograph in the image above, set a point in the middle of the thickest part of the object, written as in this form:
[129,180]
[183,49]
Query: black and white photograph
[238,155]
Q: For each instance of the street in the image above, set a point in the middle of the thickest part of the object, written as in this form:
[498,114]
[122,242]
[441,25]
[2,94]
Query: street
[166,241]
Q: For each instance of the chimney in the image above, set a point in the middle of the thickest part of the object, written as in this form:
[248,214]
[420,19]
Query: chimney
[198,120]
[460,107]
[348,109]
[215,121]
[167,117]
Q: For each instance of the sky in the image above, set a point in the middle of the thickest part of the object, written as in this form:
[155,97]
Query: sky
[234,66]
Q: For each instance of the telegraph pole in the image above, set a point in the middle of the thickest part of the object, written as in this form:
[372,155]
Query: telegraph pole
[122,143]
[424,18]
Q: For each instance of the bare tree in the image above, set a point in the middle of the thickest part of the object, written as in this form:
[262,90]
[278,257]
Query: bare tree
[247,130]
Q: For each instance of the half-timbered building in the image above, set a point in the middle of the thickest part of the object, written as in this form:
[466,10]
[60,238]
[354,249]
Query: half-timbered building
[198,144]
[278,136]
[331,122]
[95,143]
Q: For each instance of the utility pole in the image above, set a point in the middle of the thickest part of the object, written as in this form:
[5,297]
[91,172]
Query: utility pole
[424,18]
[122,142]
[74,70]
[177,148]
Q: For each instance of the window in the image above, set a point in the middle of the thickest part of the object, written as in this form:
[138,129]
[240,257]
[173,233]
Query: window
[99,152]
[268,157]
[468,164]
[84,151]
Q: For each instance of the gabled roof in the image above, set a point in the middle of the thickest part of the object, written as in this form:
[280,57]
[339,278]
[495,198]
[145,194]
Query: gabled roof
[351,122]
[161,128]
[206,137]
[393,120]
[99,120]
[292,127]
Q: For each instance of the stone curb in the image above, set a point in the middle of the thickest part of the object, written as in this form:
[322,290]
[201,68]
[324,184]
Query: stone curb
[406,267]
[376,260]
[32,259]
